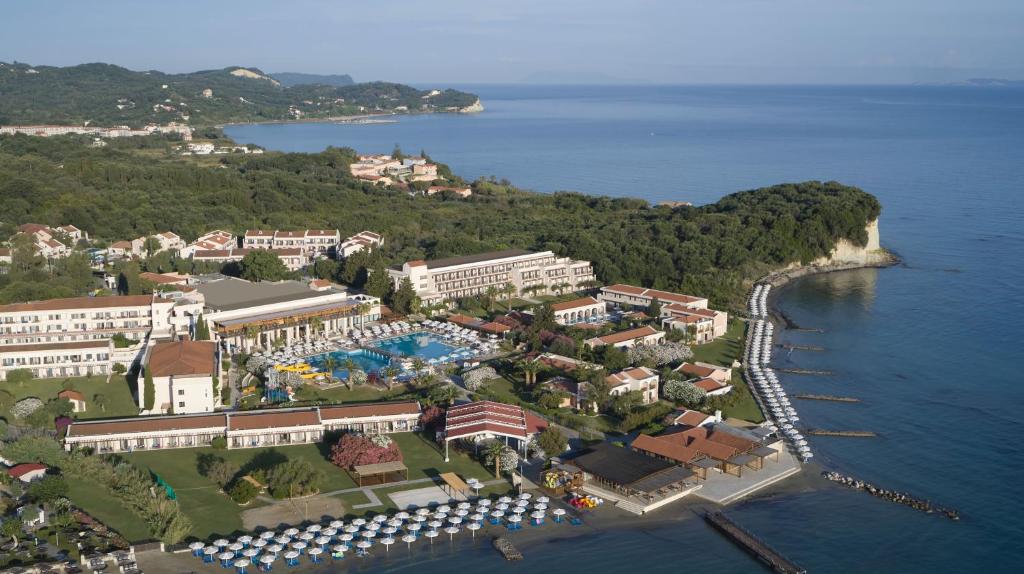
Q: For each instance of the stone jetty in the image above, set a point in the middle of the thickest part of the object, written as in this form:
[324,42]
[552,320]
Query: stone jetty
[891,495]
[507,549]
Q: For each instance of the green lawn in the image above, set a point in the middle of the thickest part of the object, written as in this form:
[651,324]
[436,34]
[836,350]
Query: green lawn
[99,503]
[117,394]
[723,350]
[358,394]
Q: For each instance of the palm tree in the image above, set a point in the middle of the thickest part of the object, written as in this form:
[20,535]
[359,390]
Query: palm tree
[361,310]
[508,290]
[350,367]
[492,296]
[418,365]
[495,450]
[330,363]
[390,372]
[316,325]
[100,401]
[530,370]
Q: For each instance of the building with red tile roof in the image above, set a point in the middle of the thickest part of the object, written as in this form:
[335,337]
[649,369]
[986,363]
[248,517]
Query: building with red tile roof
[483,420]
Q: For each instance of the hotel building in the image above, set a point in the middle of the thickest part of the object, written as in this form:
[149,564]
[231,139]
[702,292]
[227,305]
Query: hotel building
[683,312]
[578,310]
[364,240]
[250,315]
[311,242]
[251,429]
[292,258]
[640,379]
[446,280]
[183,377]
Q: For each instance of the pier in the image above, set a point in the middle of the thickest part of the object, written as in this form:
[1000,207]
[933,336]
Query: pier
[849,433]
[752,544]
[832,398]
[806,372]
[792,347]
[507,549]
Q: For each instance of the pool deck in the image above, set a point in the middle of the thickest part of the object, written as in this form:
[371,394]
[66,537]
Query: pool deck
[724,489]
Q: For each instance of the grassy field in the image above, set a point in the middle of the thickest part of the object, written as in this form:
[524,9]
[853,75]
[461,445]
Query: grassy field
[357,394]
[213,513]
[117,394]
[99,503]
[723,350]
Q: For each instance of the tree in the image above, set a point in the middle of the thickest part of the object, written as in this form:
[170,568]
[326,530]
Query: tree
[48,489]
[685,392]
[217,469]
[148,390]
[100,400]
[552,441]
[34,449]
[544,318]
[243,491]
[624,404]
[404,299]
[19,376]
[325,269]
[431,418]
[614,359]
[492,454]
[378,283]
[262,265]
[202,329]
[443,394]
[12,528]
[654,308]
[508,290]
[151,246]
[119,369]
[294,478]
[552,400]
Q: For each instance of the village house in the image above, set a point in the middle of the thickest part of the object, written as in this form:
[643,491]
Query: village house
[311,242]
[293,258]
[183,375]
[27,472]
[252,429]
[705,370]
[449,279]
[716,446]
[691,418]
[214,240]
[462,192]
[582,310]
[645,335]
[53,243]
[574,393]
[364,240]
[76,399]
[636,379]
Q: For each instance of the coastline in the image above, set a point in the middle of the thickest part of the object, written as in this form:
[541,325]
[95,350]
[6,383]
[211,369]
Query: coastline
[381,118]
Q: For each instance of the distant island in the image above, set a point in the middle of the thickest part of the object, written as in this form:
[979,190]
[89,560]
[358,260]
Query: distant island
[109,95]
[289,79]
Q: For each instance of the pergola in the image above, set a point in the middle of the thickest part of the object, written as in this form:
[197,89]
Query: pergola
[380,473]
[489,419]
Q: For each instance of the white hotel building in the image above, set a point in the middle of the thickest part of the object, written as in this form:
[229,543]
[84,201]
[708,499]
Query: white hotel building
[445,280]
[312,242]
[70,337]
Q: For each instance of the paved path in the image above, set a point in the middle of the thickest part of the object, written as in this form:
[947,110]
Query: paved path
[374,500]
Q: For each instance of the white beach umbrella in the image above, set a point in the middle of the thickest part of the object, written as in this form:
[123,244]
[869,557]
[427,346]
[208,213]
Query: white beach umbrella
[431,534]
[473,527]
[268,535]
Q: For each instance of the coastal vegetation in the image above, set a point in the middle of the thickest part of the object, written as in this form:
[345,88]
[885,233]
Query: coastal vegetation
[139,186]
[108,95]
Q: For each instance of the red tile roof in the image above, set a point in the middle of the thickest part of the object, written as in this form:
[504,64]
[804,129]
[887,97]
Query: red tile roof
[575,303]
[147,424]
[20,470]
[369,410]
[71,395]
[80,303]
[272,419]
[631,334]
[182,358]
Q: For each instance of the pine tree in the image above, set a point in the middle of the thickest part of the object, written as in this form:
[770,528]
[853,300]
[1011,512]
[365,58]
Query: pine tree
[379,283]
[202,329]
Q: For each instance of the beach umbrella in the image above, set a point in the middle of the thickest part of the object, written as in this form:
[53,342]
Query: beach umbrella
[423,512]
[487,501]
[419,518]
[559,513]
[461,512]
[282,540]
[435,524]
[346,538]
[221,542]
[464,506]
[266,561]
[455,519]
[196,548]
[431,534]
[300,546]
[292,558]
[245,539]
[543,500]
[268,535]
[394,523]
[452,531]
[337,524]
[444,508]
[373,526]
[402,515]
[340,548]
[519,509]
[504,506]
[505,499]
[251,554]
[329,532]
[388,530]
[409,539]
[473,527]
[208,553]
[380,519]
[322,540]
[226,558]
[314,528]
[351,529]
[274,549]
[387,542]
[291,532]
[315,553]
[414,527]
[241,565]
[369,533]
[358,522]
[363,545]
[526,496]
[236,547]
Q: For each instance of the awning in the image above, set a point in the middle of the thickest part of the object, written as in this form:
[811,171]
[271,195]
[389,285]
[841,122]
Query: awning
[764,451]
[742,459]
[379,468]
[705,463]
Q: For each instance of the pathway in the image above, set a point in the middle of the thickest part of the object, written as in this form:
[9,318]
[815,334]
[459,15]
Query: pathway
[367,491]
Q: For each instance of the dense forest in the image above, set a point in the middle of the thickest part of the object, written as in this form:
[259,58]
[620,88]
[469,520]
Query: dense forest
[138,186]
[297,78]
[108,95]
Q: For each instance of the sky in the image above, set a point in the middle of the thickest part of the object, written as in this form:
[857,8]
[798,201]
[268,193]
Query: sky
[542,41]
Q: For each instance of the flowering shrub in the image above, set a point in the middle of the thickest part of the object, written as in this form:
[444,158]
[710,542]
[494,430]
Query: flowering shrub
[355,449]
[684,392]
[357,377]
[476,378]
[508,460]
[25,407]
[381,440]
[662,354]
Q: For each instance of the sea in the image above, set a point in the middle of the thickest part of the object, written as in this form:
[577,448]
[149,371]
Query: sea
[931,346]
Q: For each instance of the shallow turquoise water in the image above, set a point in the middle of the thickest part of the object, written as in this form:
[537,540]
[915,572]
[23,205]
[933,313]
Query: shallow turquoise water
[423,345]
[932,347]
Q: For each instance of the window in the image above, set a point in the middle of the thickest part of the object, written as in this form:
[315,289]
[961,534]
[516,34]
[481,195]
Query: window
[181,404]
[181,392]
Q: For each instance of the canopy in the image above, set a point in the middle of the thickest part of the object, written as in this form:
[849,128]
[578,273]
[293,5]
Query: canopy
[455,484]
[378,473]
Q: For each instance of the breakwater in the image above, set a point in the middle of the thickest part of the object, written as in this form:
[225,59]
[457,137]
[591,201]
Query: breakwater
[792,347]
[814,372]
[507,549]
[831,398]
[891,495]
[849,433]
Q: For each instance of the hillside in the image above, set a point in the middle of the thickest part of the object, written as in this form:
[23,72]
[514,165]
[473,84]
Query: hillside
[107,95]
[290,79]
[126,190]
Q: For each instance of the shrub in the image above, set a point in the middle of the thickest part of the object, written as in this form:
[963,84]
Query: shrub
[48,489]
[552,441]
[474,380]
[243,492]
[18,376]
[356,449]
[657,355]
[219,443]
[25,407]
[685,392]
[119,369]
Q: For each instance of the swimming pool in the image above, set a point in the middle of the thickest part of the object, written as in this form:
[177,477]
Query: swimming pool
[424,345]
[364,360]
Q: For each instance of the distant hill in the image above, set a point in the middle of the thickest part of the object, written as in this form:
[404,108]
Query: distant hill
[290,79]
[104,94]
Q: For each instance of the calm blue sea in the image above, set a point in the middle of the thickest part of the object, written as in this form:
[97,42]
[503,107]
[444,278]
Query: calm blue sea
[933,347]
